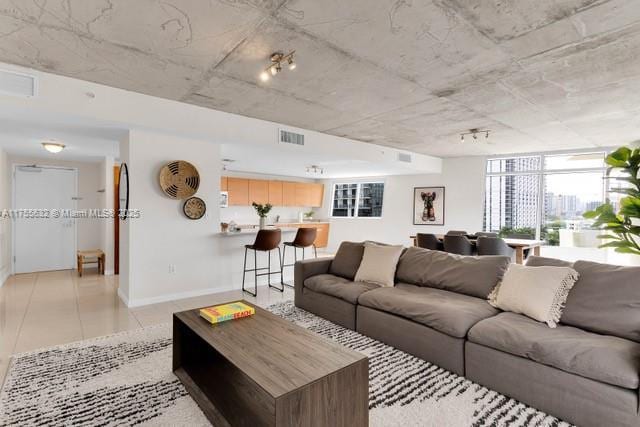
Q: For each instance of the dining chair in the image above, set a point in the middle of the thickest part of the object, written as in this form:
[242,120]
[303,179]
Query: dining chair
[456,233]
[428,241]
[456,244]
[494,246]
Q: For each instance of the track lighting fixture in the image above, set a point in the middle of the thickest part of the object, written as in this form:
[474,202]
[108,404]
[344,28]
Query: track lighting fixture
[277,59]
[314,169]
[474,134]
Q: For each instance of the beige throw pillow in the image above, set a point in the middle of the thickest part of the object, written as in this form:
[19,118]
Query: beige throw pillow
[536,292]
[379,264]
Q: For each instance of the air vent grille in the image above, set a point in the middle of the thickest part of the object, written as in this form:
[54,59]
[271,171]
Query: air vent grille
[404,157]
[17,84]
[287,137]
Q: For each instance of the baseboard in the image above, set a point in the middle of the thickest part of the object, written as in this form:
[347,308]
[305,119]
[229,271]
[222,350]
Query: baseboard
[139,302]
[123,297]
[3,277]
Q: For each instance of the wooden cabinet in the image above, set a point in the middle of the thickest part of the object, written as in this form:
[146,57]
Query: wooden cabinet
[258,191]
[242,192]
[315,195]
[302,195]
[275,193]
[238,189]
[288,194]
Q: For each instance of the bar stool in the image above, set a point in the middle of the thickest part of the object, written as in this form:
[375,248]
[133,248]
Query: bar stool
[304,238]
[266,241]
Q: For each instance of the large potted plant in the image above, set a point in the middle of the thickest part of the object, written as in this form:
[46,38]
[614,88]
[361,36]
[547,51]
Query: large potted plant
[263,211]
[623,227]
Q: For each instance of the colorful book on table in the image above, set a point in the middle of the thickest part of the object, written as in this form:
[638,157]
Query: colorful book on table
[224,312]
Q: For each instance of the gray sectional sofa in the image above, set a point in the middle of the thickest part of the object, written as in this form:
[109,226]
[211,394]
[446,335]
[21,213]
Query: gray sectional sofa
[585,371]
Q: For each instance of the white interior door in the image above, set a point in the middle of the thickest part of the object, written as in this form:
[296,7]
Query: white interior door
[48,243]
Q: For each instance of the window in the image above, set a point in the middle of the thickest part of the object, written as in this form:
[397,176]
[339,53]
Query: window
[545,196]
[363,200]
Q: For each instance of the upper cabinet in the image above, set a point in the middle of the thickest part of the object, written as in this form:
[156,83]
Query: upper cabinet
[316,195]
[258,191]
[238,189]
[242,192]
[275,193]
[288,194]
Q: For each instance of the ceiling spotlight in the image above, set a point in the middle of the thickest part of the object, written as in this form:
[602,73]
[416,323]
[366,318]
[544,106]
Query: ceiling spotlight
[53,147]
[277,59]
[474,134]
[315,169]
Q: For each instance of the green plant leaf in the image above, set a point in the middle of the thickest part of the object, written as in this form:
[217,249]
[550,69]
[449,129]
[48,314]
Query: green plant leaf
[629,250]
[619,158]
[616,244]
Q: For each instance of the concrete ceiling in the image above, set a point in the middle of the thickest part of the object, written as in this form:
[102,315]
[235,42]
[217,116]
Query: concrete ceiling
[411,74]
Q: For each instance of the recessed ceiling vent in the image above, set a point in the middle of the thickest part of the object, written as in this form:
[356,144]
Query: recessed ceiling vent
[404,157]
[17,84]
[287,137]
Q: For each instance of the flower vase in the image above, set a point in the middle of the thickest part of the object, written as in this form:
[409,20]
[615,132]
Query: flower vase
[263,222]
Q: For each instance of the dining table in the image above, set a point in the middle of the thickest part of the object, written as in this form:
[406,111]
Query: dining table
[519,245]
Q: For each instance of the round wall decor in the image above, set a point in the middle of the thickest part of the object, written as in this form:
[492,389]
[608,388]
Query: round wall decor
[179,179]
[194,208]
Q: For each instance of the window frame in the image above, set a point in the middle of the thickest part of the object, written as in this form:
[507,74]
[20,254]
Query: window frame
[542,172]
[358,185]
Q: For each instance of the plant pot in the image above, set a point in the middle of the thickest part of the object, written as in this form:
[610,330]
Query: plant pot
[263,222]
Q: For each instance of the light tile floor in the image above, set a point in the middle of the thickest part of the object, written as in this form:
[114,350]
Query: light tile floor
[43,309]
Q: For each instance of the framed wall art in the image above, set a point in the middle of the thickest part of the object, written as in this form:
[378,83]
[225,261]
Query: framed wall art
[428,206]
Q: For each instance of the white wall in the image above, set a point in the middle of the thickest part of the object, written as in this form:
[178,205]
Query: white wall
[105,201]
[163,236]
[247,214]
[463,179]
[89,231]
[5,223]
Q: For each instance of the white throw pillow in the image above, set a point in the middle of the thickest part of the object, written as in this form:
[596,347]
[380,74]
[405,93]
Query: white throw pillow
[379,264]
[536,292]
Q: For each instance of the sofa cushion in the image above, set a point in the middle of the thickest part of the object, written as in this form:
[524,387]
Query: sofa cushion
[379,264]
[606,299]
[540,261]
[603,358]
[347,260]
[338,287]
[447,312]
[474,276]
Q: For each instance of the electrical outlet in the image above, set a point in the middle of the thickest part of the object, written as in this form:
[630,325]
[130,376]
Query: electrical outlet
[172,268]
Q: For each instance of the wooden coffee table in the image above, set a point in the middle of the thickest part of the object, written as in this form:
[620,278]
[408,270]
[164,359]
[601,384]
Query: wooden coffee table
[264,370]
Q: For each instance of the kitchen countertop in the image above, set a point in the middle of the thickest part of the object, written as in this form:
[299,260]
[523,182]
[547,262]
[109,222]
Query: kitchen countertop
[254,231]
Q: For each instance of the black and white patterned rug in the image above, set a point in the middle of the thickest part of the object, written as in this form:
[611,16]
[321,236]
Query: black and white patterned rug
[126,379]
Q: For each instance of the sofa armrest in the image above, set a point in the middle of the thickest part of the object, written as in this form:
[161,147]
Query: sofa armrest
[308,268]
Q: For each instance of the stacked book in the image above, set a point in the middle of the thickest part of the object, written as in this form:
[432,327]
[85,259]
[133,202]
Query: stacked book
[224,312]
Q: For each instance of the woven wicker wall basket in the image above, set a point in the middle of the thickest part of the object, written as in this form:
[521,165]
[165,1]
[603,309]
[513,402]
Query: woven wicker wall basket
[179,179]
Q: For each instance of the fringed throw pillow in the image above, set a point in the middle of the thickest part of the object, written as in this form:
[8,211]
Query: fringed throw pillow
[536,292]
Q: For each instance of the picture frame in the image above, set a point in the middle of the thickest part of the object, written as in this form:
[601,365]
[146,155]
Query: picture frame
[428,205]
